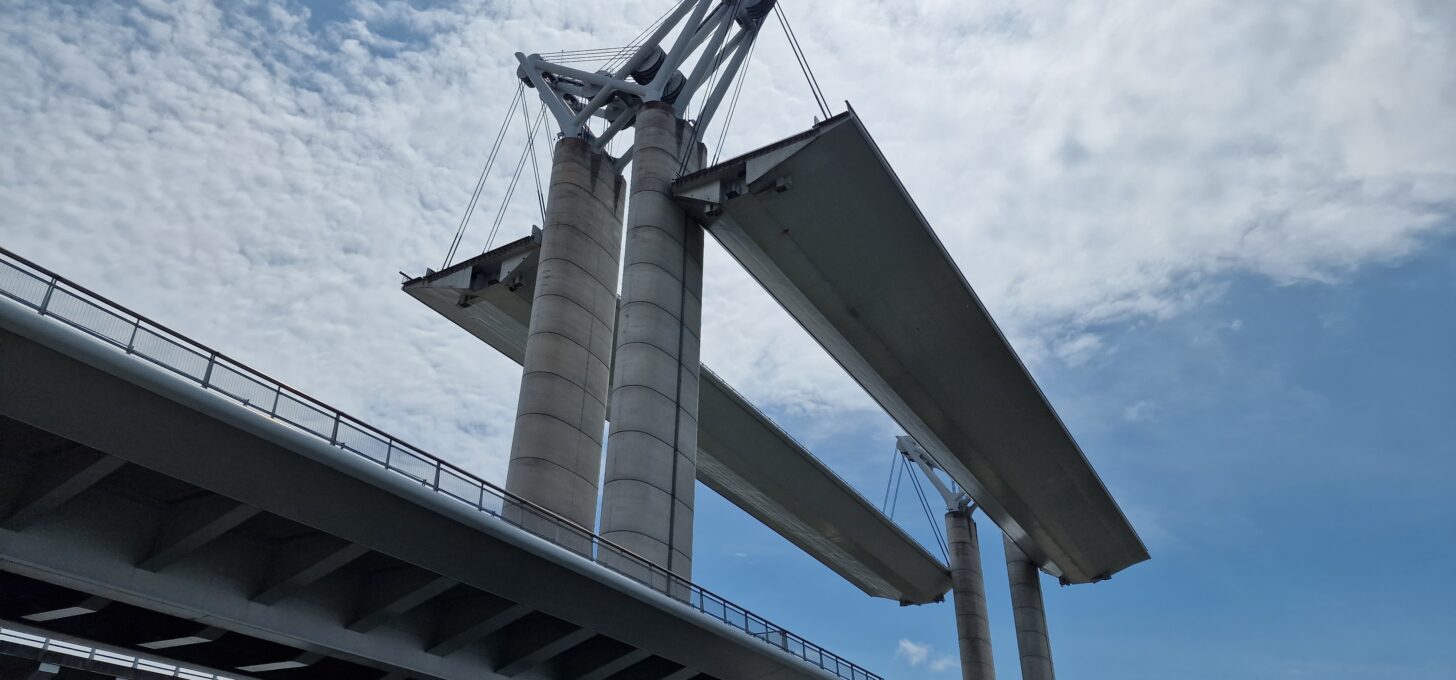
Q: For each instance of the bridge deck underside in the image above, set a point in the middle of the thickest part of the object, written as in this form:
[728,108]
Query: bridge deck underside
[132,517]
[823,223]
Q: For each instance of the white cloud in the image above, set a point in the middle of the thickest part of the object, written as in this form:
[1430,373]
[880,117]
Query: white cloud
[254,177]
[1077,349]
[1141,411]
[914,653]
[919,654]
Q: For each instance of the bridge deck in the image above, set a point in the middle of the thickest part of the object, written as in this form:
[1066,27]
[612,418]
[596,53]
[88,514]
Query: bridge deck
[821,220]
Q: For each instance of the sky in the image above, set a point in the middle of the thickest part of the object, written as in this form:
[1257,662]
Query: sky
[1220,233]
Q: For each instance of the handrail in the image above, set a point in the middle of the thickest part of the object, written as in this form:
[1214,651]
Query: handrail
[73,647]
[58,298]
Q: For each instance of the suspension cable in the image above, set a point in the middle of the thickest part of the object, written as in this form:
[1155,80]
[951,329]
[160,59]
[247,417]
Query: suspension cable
[511,190]
[929,516]
[733,103]
[895,497]
[484,173]
[535,166]
[894,459]
[803,60]
[697,134]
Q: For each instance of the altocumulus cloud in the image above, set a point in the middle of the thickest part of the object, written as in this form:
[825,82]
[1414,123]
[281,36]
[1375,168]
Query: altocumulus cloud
[255,175]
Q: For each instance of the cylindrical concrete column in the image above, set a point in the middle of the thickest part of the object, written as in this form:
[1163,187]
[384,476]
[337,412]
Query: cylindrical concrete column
[1026,606]
[968,588]
[647,489]
[556,451]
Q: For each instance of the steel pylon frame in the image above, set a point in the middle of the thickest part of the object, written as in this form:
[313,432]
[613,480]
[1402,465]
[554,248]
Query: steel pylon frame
[574,95]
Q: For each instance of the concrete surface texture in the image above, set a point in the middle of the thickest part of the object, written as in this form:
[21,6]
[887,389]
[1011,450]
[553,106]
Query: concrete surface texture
[647,489]
[973,628]
[556,448]
[1031,629]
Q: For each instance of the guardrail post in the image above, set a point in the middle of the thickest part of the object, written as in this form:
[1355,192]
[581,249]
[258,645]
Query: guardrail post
[334,436]
[46,301]
[206,375]
[131,342]
[277,394]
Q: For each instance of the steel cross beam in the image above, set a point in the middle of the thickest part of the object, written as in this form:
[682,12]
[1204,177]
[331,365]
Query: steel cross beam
[653,72]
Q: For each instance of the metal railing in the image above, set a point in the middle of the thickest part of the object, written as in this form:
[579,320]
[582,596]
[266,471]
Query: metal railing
[46,643]
[55,297]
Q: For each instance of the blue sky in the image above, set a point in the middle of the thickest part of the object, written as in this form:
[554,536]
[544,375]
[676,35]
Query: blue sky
[1221,234]
[1297,444]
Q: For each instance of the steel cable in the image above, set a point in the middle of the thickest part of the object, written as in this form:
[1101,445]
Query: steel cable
[733,104]
[929,516]
[803,61]
[535,165]
[484,173]
[511,190]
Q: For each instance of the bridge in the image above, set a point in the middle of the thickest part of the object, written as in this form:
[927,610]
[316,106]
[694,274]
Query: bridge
[165,502]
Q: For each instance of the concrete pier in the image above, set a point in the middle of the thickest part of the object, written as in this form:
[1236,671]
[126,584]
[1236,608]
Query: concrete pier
[647,489]
[557,446]
[1031,630]
[968,588]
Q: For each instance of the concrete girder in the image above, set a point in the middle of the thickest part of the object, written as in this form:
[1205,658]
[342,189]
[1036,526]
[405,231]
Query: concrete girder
[303,660]
[471,619]
[89,605]
[202,635]
[539,645]
[615,664]
[192,524]
[51,486]
[301,562]
[388,594]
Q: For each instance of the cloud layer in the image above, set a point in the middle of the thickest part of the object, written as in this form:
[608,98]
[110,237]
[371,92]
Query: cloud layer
[255,174]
